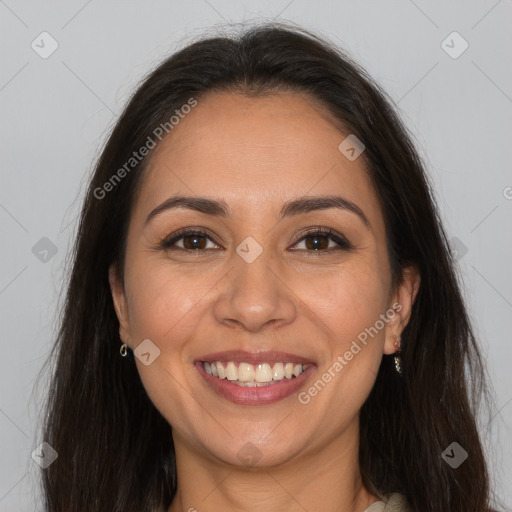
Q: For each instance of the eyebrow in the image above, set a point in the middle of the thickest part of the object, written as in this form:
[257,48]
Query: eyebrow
[291,208]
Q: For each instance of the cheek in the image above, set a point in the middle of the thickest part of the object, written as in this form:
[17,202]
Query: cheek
[350,302]
[164,301]
[164,307]
[348,299]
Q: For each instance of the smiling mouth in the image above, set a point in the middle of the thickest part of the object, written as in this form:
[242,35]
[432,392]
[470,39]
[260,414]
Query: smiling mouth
[254,378]
[253,375]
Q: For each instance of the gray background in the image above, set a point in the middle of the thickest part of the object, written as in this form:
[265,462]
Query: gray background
[56,112]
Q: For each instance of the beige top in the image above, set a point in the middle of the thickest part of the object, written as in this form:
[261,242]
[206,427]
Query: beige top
[395,502]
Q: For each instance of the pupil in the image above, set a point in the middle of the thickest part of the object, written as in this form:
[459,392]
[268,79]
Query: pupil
[317,245]
[194,244]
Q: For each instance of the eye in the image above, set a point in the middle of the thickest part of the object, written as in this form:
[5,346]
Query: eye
[317,240]
[191,240]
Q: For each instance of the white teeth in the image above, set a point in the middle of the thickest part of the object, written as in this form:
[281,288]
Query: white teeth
[263,373]
[231,371]
[278,371]
[220,370]
[249,375]
[245,372]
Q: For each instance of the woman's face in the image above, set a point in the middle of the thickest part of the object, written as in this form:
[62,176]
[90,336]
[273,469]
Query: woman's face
[262,290]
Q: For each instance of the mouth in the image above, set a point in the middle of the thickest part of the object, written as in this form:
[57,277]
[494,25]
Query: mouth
[254,379]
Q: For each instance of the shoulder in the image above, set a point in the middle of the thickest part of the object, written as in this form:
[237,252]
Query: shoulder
[394,502]
[397,502]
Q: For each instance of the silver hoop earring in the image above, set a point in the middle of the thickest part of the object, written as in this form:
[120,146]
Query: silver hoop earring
[124,350]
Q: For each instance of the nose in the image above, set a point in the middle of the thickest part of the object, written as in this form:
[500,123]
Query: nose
[254,297]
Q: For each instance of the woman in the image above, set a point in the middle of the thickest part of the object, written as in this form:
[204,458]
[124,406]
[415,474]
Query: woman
[263,309]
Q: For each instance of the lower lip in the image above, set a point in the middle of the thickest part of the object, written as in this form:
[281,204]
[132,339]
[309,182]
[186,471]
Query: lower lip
[256,395]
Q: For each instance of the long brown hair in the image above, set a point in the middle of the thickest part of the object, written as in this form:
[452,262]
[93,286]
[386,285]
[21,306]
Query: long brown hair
[115,449]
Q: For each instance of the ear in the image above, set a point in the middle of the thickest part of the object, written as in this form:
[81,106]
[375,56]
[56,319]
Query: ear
[120,304]
[401,303]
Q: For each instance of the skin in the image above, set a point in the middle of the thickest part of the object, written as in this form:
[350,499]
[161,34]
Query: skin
[255,154]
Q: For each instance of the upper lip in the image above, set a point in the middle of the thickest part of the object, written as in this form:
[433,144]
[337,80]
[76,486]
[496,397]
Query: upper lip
[242,356]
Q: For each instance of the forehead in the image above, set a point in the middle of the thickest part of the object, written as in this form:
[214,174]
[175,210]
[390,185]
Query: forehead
[251,151]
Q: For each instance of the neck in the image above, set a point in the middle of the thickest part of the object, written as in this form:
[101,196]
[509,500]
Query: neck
[327,479]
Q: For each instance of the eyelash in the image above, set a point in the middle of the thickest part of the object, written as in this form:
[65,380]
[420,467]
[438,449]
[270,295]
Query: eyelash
[343,244]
